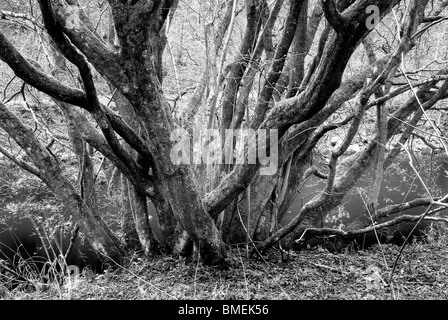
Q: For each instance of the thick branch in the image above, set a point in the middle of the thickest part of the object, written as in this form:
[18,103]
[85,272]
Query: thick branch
[334,17]
[325,81]
[33,75]
[141,180]
[313,232]
[279,62]
[78,59]
[241,63]
[298,53]
[98,233]
[264,43]
[105,61]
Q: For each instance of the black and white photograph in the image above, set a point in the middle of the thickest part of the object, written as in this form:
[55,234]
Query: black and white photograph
[223,158]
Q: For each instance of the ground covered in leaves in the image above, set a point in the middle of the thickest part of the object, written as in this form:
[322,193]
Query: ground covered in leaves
[421,273]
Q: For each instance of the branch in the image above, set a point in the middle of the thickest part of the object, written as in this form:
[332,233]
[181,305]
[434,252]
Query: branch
[334,17]
[141,180]
[314,171]
[79,60]
[312,232]
[296,65]
[20,163]
[433,80]
[384,213]
[335,154]
[358,165]
[33,75]
[397,208]
[429,144]
[278,64]
[264,44]
[301,108]
[223,26]
[432,18]
[425,28]
[26,139]
[105,61]
[7,15]
[240,64]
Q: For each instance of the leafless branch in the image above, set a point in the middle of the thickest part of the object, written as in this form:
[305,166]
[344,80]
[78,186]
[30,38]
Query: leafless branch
[334,17]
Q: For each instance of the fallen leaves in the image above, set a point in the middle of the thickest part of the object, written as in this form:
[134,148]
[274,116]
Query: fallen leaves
[362,275]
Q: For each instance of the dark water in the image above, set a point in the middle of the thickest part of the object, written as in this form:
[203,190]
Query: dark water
[23,247]
[400,184]
[19,241]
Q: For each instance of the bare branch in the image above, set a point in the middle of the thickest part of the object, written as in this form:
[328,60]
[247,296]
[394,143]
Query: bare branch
[20,163]
[78,59]
[33,75]
[140,179]
[279,62]
[238,69]
[425,141]
[105,61]
[312,232]
[334,17]
[8,15]
[314,171]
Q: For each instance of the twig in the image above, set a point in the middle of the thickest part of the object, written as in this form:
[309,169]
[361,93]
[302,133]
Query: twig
[244,274]
[419,220]
[374,230]
[72,240]
[328,268]
[170,49]
[138,277]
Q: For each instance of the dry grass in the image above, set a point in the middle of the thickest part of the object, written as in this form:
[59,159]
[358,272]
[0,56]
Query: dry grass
[422,273]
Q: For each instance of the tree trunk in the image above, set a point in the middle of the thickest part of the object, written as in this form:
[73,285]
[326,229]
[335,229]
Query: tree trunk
[97,232]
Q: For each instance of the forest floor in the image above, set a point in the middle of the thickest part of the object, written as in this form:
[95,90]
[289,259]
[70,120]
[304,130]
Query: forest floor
[421,273]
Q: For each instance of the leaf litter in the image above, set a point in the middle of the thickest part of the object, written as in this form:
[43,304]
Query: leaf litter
[421,273]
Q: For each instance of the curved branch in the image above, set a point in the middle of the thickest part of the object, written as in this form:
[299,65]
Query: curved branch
[7,15]
[33,75]
[99,234]
[314,171]
[397,208]
[264,44]
[334,17]
[139,179]
[279,62]
[105,61]
[240,64]
[25,138]
[312,232]
[79,60]
[298,109]
[345,182]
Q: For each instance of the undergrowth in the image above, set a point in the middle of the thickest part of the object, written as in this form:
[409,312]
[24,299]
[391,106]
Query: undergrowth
[421,273]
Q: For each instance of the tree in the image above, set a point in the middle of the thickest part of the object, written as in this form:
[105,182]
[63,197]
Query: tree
[267,89]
